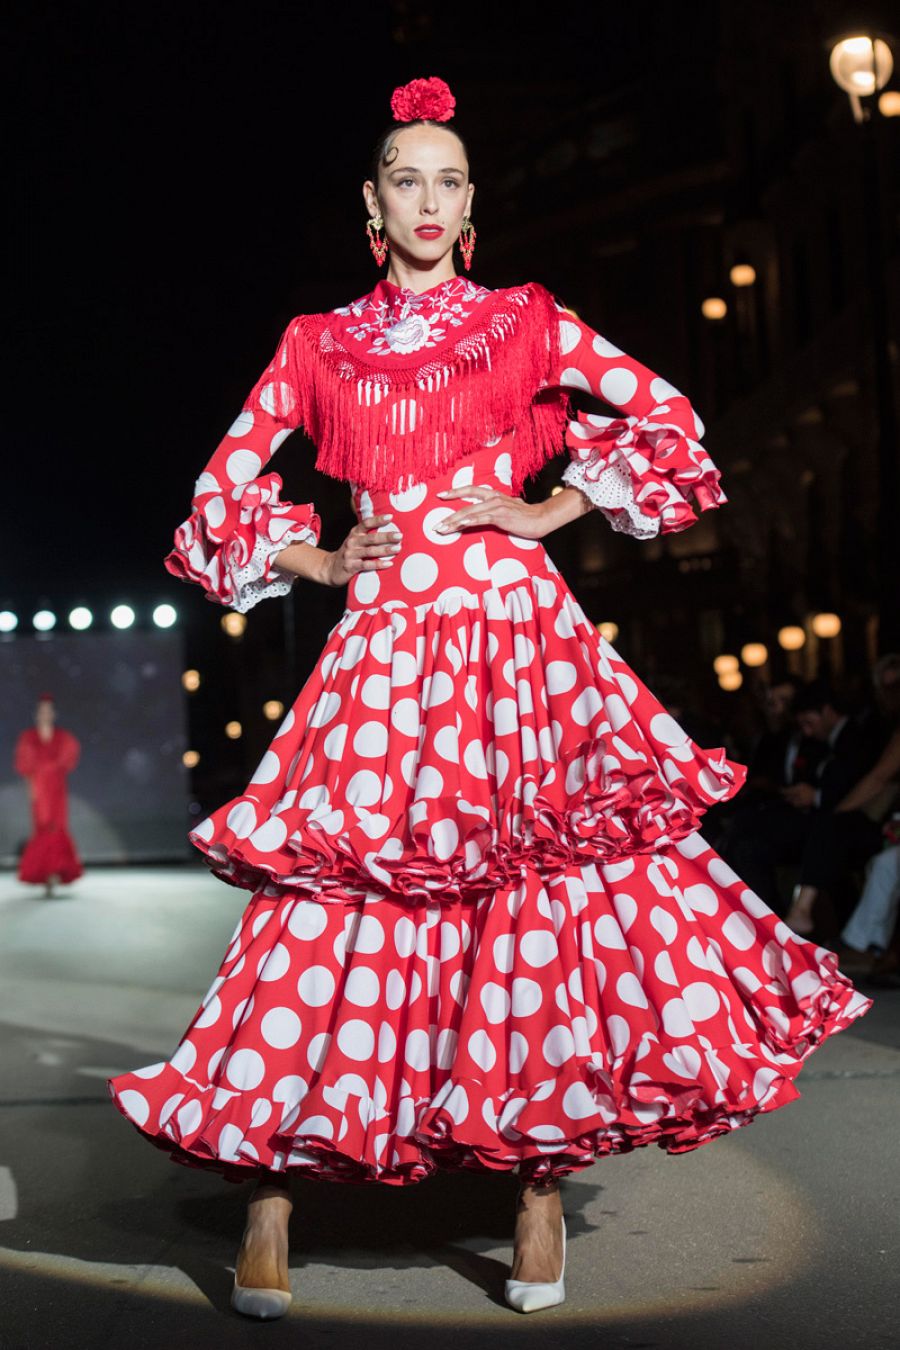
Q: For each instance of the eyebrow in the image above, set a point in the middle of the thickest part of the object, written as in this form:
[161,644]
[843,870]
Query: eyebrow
[409,168]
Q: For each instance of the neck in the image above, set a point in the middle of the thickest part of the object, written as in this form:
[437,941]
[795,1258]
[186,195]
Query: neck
[419,276]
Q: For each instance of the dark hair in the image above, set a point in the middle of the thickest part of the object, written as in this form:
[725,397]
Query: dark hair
[817,695]
[378,161]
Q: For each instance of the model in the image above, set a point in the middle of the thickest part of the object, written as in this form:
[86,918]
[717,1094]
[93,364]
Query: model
[45,755]
[484,931]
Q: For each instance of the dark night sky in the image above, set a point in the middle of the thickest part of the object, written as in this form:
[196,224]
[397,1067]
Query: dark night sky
[192,179]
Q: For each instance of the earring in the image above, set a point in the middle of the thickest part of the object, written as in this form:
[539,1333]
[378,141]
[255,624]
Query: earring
[467,238]
[378,245]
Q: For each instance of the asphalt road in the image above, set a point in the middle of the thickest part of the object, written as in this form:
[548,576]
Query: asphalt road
[784,1234]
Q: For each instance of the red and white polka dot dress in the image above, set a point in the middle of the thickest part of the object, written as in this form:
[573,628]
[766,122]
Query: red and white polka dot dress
[485,930]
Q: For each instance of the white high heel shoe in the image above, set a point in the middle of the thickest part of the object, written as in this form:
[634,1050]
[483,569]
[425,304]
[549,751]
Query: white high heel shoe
[530,1295]
[266,1304]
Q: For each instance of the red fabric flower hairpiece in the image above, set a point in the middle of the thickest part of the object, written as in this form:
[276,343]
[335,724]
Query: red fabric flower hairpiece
[429,99]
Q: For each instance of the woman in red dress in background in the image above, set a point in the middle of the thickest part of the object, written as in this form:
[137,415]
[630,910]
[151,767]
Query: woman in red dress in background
[485,932]
[45,755]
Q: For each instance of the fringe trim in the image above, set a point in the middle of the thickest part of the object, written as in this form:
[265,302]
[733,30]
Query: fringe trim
[385,425]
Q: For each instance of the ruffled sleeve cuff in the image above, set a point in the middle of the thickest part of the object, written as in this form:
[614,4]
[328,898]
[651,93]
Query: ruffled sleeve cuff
[642,473]
[229,546]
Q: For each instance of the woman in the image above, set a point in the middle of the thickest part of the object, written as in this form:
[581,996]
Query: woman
[485,932]
[45,755]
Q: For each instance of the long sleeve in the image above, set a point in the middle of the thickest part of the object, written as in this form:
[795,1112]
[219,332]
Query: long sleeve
[642,468]
[25,759]
[238,523]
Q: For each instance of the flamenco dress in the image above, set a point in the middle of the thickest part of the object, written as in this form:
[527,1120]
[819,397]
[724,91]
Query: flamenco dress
[46,764]
[484,930]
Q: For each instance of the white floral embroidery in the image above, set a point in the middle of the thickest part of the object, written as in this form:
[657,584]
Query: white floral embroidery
[406,322]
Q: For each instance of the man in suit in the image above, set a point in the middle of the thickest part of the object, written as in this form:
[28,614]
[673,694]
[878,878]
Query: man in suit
[799,825]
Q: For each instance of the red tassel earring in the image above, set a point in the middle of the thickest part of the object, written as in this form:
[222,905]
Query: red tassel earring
[378,245]
[467,238]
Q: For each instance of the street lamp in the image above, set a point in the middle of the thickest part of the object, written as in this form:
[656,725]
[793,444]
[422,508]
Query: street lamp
[861,64]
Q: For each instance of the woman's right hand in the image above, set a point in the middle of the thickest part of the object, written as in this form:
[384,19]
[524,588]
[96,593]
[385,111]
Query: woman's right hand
[367,548]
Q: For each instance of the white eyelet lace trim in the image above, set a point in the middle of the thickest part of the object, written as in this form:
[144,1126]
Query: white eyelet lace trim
[613,490]
[250,584]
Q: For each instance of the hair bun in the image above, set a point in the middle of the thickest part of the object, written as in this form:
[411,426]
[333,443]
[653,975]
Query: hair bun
[430,99]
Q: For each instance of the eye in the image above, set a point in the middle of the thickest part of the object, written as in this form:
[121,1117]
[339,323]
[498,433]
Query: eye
[401,181]
[452,181]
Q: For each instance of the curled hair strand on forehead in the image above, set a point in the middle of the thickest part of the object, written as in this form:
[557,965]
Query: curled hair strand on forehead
[379,158]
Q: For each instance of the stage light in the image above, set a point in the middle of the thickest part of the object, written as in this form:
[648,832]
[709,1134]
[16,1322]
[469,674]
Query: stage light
[731,680]
[826,625]
[791,638]
[754,653]
[725,663]
[190,759]
[233,623]
[8,621]
[191,681]
[80,617]
[273,708]
[889,103]
[164,616]
[742,274]
[122,616]
[608,630]
[233,730]
[861,65]
[714,307]
[44,620]
[557,487]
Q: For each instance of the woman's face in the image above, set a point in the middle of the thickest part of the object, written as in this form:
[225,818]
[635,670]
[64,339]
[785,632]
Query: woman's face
[424,184]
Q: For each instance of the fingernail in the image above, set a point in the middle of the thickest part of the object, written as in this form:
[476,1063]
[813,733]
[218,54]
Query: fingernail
[443,494]
[388,515]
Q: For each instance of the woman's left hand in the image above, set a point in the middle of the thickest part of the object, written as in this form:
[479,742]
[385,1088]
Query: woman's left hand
[513,515]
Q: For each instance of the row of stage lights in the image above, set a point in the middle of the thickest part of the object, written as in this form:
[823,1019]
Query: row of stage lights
[80,618]
[791,638]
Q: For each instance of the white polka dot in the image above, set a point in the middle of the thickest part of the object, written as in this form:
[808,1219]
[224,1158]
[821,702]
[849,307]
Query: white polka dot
[366,586]
[538,947]
[135,1104]
[241,819]
[280,1028]
[270,835]
[316,986]
[482,1050]
[628,987]
[558,1045]
[369,936]
[619,1033]
[184,1057]
[665,729]
[387,1043]
[268,768]
[356,1039]
[364,788]
[444,838]
[676,1018]
[404,936]
[495,1001]
[664,923]
[418,571]
[475,562]
[371,740]
[189,1118]
[409,499]
[361,987]
[242,466]
[526,997]
[416,1051]
[739,931]
[307,920]
[701,898]
[618,385]
[246,1069]
[241,424]
[405,716]
[569,336]
[560,677]
[701,999]
[277,397]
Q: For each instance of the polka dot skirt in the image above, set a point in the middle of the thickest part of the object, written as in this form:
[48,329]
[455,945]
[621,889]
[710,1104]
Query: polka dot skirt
[485,931]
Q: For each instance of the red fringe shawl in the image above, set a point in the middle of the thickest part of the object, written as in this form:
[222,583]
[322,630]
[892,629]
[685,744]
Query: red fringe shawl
[385,423]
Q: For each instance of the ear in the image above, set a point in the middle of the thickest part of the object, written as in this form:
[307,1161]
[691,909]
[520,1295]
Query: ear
[370,198]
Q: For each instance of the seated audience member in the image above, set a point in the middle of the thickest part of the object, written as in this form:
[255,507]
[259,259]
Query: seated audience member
[791,827]
[853,833]
[868,936]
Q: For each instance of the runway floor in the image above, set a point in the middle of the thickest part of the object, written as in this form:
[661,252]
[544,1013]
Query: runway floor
[784,1234]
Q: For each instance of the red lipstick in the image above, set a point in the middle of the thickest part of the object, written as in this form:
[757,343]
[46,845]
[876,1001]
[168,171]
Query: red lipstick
[429,231]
